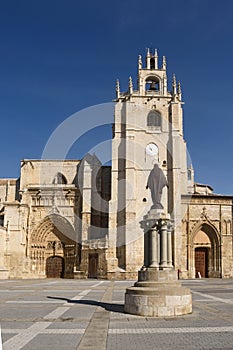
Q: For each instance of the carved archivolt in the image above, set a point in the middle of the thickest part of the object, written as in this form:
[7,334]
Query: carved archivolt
[208,227]
[52,236]
[53,225]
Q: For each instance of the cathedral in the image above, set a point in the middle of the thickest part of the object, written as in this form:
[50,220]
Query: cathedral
[82,219]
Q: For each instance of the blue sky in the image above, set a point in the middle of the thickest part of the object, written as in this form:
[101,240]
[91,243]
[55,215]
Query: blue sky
[58,57]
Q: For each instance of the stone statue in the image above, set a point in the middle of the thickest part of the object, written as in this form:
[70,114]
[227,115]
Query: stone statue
[156,182]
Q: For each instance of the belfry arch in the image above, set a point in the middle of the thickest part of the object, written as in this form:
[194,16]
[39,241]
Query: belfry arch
[53,242]
[152,83]
[204,251]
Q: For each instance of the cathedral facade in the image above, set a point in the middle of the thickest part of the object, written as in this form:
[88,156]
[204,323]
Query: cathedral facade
[80,219]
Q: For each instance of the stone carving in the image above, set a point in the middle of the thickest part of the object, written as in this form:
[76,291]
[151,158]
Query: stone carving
[156,182]
[204,215]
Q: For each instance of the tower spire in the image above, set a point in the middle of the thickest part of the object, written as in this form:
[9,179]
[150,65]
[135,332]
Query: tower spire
[164,64]
[117,89]
[156,59]
[130,85]
[139,62]
[174,88]
[179,91]
[148,59]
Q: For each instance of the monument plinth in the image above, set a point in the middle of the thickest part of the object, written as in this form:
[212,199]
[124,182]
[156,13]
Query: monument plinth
[157,291]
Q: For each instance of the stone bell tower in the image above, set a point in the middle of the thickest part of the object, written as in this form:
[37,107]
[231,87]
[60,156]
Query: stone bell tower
[148,130]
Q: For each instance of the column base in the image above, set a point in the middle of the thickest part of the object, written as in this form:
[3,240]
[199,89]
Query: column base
[158,294]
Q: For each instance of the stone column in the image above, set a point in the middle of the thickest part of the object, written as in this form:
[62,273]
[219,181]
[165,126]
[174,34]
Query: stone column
[163,244]
[154,247]
[158,292]
[169,245]
[158,247]
[146,248]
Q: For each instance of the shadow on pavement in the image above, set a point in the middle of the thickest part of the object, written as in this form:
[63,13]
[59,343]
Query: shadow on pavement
[107,306]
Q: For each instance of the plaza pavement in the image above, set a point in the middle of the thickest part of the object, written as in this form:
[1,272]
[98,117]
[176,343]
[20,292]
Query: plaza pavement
[88,314]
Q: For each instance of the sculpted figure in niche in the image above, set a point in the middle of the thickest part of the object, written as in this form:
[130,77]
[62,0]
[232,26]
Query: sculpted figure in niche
[156,182]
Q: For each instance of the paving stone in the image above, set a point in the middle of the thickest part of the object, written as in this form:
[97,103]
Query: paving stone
[48,342]
[210,326]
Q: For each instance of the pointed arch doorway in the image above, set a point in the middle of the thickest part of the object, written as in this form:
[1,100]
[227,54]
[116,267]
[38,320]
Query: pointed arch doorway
[205,252]
[53,248]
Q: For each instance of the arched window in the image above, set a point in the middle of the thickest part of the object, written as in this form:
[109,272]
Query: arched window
[59,179]
[154,119]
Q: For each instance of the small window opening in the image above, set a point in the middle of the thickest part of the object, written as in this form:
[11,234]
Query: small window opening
[152,63]
[189,174]
[1,220]
[59,179]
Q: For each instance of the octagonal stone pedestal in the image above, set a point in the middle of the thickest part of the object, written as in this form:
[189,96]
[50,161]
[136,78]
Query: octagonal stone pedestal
[158,294]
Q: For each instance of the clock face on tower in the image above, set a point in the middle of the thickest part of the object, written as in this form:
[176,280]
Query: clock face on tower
[152,149]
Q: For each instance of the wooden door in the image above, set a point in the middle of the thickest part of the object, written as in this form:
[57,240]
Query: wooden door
[55,267]
[201,255]
[93,265]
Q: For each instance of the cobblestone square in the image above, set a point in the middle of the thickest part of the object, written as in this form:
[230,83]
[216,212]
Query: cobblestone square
[88,314]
